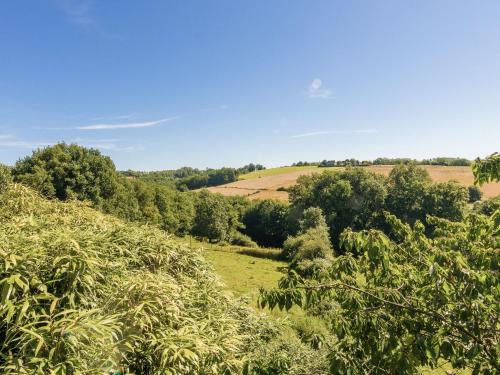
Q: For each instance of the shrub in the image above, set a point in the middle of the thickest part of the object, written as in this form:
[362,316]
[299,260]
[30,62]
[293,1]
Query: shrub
[488,207]
[83,292]
[286,354]
[475,193]
[68,172]
[314,243]
[312,217]
[5,177]
[240,239]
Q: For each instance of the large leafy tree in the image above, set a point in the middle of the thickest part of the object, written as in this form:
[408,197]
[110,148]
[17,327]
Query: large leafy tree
[351,198]
[408,186]
[266,222]
[68,172]
[215,218]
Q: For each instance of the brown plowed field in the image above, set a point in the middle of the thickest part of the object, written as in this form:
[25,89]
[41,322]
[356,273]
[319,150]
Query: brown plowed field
[267,187]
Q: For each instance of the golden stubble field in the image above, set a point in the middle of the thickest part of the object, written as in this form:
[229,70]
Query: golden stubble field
[266,187]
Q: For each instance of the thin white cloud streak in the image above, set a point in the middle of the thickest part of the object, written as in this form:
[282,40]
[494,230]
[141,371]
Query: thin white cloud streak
[10,141]
[326,132]
[112,146]
[316,90]
[134,125]
[24,144]
[77,11]
[111,118]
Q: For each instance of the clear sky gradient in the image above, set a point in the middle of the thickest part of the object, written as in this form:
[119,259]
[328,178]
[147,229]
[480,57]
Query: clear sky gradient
[163,84]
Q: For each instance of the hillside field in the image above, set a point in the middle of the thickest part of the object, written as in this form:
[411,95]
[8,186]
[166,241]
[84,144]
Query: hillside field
[265,184]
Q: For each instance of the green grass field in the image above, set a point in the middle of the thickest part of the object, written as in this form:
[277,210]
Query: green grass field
[243,275]
[275,171]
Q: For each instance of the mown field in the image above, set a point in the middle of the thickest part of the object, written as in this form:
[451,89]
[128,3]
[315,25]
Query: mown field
[268,183]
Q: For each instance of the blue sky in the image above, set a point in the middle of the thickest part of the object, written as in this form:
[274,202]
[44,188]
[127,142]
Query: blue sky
[162,84]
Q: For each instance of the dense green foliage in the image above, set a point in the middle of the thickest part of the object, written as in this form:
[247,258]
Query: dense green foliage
[475,193]
[310,250]
[351,198]
[68,172]
[395,304]
[215,219]
[187,178]
[488,169]
[355,198]
[410,302]
[73,172]
[5,177]
[82,292]
[489,206]
[266,222]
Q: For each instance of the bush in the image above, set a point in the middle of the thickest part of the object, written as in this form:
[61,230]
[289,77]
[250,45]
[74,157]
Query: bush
[240,239]
[488,207]
[312,217]
[286,354]
[68,172]
[5,177]
[314,243]
[475,193]
[84,292]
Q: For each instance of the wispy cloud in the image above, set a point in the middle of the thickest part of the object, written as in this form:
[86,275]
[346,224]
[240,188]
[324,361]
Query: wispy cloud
[112,118]
[7,140]
[326,132]
[11,141]
[77,11]
[316,90]
[133,125]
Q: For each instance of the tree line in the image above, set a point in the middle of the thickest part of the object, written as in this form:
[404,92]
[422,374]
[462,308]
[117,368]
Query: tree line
[443,161]
[353,198]
[187,178]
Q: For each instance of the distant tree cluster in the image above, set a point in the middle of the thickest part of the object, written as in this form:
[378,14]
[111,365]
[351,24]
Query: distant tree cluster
[304,164]
[250,168]
[444,161]
[344,163]
[356,198]
[187,178]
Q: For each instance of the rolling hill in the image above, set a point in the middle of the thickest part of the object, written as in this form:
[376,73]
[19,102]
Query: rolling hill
[269,183]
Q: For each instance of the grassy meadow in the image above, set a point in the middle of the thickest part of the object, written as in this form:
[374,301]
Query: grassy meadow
[276,171]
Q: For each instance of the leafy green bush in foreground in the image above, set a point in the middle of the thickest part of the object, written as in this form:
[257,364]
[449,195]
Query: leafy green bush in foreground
[82,292]
[408,302]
